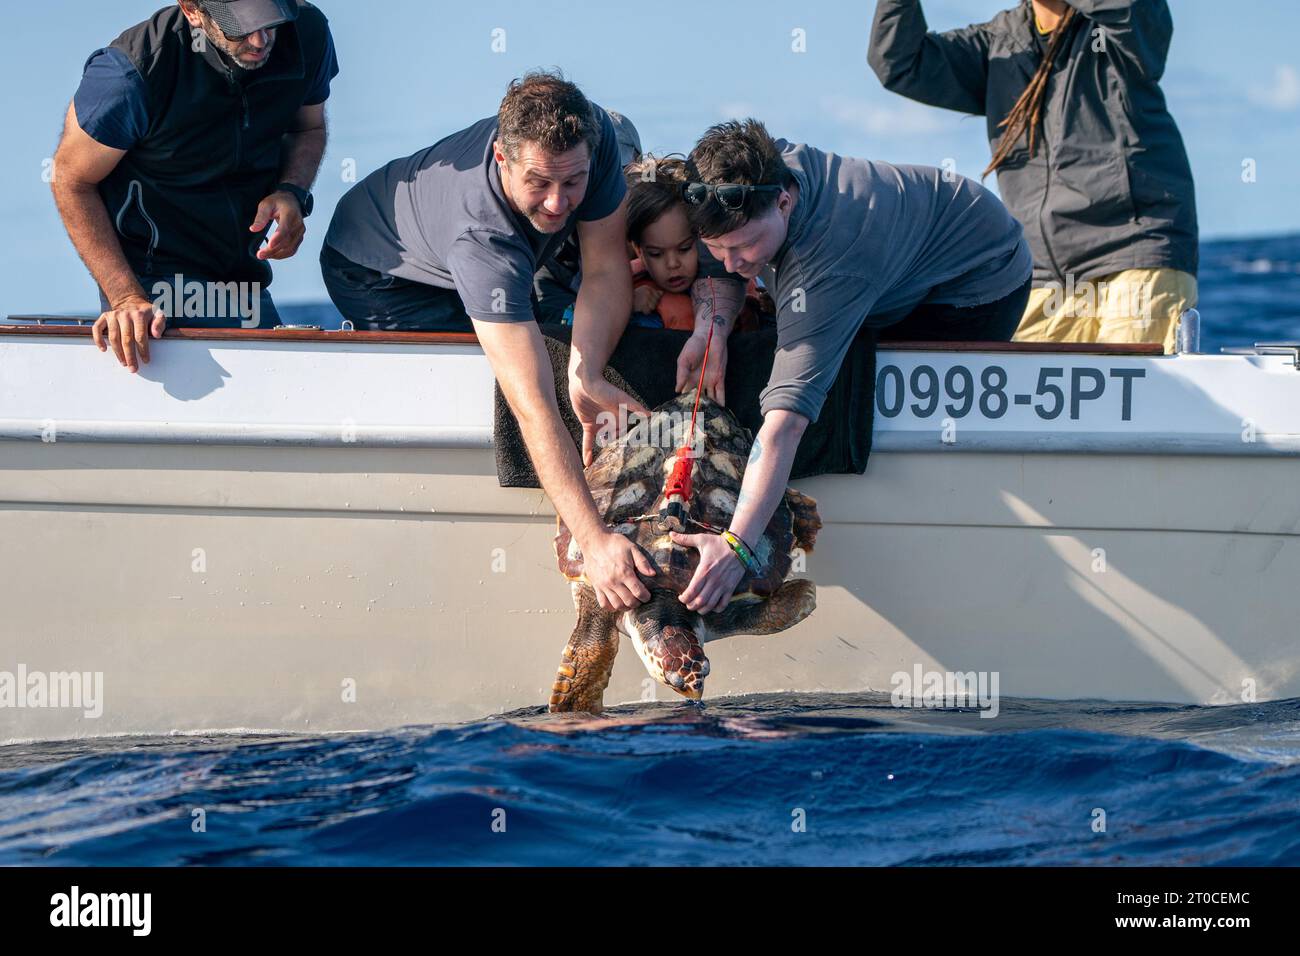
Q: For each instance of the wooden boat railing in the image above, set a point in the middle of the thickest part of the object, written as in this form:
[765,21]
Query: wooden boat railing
[41,325]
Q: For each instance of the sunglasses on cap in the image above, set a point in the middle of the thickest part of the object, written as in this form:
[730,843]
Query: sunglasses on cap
[732,196]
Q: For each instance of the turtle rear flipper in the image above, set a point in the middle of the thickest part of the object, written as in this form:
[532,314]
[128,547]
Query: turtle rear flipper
[792,602]
[588,658]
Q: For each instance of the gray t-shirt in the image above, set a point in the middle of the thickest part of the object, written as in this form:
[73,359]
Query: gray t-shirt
[868,242]
[440,217]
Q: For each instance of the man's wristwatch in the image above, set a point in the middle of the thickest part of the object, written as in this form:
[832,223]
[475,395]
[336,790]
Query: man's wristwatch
[305,199]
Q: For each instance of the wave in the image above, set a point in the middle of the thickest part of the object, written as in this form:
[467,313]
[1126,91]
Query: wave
[769,779]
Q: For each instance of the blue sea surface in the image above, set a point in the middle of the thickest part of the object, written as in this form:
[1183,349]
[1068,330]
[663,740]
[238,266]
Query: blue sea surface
[1249,292]
[769,779]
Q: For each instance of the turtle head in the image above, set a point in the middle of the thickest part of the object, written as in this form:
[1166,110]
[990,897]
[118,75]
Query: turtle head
[671,652]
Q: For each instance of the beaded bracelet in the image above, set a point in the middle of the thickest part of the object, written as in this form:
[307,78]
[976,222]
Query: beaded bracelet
[742,550]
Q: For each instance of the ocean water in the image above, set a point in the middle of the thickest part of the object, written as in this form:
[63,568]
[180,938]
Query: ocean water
[1249,292]
[770,779]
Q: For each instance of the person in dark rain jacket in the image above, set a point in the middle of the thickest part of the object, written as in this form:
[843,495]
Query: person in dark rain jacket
[1087,156]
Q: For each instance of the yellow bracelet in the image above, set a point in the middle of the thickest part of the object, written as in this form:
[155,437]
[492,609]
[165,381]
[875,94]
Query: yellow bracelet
[742,551]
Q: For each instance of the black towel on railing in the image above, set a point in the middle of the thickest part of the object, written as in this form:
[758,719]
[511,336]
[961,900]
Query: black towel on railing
[645,366]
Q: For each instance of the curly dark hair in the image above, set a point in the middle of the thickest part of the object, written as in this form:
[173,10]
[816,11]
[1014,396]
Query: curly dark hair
[543,107]
[736,152]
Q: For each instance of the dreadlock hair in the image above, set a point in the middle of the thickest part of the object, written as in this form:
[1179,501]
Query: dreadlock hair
[1026,115]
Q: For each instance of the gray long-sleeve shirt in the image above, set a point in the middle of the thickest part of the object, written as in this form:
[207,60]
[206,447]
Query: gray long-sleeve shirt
[1110,187]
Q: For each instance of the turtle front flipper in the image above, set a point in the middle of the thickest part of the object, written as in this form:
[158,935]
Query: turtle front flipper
[793,601]
[588,658]
[664,635]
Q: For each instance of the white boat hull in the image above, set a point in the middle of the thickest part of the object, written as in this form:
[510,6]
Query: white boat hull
[311,584]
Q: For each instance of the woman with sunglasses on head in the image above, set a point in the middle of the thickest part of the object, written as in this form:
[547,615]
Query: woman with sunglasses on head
[844,245]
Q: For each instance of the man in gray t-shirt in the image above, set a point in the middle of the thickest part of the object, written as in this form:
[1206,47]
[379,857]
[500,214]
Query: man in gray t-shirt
[908,251]
[441,218]
[451,237]
[557,281]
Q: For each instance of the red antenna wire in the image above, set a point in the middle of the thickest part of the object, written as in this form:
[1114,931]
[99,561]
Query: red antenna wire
[678,487]
[699,389]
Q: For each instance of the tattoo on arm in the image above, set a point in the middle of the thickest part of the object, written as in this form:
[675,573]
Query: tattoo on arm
[716,300]
[702,302]
[755,452]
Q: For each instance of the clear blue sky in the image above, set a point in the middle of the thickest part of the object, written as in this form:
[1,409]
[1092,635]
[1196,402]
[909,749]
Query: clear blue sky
[415,70]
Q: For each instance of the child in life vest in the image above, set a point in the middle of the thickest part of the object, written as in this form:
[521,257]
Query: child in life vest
[665,250]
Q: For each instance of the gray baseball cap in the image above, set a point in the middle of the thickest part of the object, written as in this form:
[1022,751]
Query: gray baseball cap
[238,18]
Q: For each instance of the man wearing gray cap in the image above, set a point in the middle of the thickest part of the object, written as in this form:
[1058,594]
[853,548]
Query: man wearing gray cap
[189,136]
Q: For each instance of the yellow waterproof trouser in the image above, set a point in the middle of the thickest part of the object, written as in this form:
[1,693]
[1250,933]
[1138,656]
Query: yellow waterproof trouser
[1136,305]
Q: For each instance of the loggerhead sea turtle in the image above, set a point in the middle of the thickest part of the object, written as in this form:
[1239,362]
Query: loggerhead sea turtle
[627,480]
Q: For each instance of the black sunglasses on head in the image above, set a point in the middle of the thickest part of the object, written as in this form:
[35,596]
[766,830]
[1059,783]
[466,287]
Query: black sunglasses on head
[729,195]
